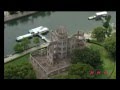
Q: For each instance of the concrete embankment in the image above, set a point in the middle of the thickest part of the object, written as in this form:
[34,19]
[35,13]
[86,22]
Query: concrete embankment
[19,15]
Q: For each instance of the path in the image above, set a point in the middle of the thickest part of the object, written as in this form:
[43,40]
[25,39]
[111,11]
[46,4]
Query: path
[8,59]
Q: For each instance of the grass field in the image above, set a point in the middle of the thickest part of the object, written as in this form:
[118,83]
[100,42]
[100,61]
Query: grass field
[23,59]
[108,63]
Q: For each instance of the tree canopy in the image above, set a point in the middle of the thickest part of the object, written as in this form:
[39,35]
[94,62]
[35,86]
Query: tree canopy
[86,55]
[25,42]
[106,24]
[18,48]
[99,33]
[36,40]
[81,70]
[110,45]
[21,46]
[20,68]
[78,71]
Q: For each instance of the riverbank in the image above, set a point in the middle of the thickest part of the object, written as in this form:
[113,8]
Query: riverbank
[19,15]
[17,55]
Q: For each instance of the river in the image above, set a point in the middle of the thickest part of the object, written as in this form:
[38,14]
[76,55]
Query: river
[72,20]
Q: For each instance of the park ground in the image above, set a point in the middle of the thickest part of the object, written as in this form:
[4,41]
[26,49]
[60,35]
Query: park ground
[108,63]
[21,61]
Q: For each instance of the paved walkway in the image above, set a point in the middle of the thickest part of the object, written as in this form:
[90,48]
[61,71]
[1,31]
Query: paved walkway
[15,16]
[8,59]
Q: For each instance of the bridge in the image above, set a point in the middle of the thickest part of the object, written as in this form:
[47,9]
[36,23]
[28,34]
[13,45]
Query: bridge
[44,38]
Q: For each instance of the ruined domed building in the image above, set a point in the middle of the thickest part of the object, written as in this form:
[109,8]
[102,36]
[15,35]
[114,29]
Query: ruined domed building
[61,46]
[55,58]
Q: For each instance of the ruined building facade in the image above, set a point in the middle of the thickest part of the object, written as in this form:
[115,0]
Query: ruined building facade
[61,45]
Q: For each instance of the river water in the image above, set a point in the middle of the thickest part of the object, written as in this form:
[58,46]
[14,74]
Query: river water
[72,21]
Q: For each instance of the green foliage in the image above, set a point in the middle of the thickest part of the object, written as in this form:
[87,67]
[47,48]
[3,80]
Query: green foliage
[21,46]
[108,63]
[106,24]
[110,45]
[22,71]
[99,34]
[94,42]
[81,70]
[86,55]
[109,30]
[36,40]
[19,72]
[19,69]
[25,42]
[18,48]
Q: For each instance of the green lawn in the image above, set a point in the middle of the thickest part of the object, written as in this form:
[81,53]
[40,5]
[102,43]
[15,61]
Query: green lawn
[24,69]
[23,59]
[108,63]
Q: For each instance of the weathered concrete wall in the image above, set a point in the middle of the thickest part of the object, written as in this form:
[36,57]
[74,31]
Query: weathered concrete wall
[41,73]
[16,16]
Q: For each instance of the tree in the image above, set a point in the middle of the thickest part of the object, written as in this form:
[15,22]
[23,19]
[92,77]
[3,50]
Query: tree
[99,33]
[18,48]
[25,42]
[36,40]
[78,71]
[106,24]
[21,71]
[109,30]
[110,45]
[81,70]
[86,55]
